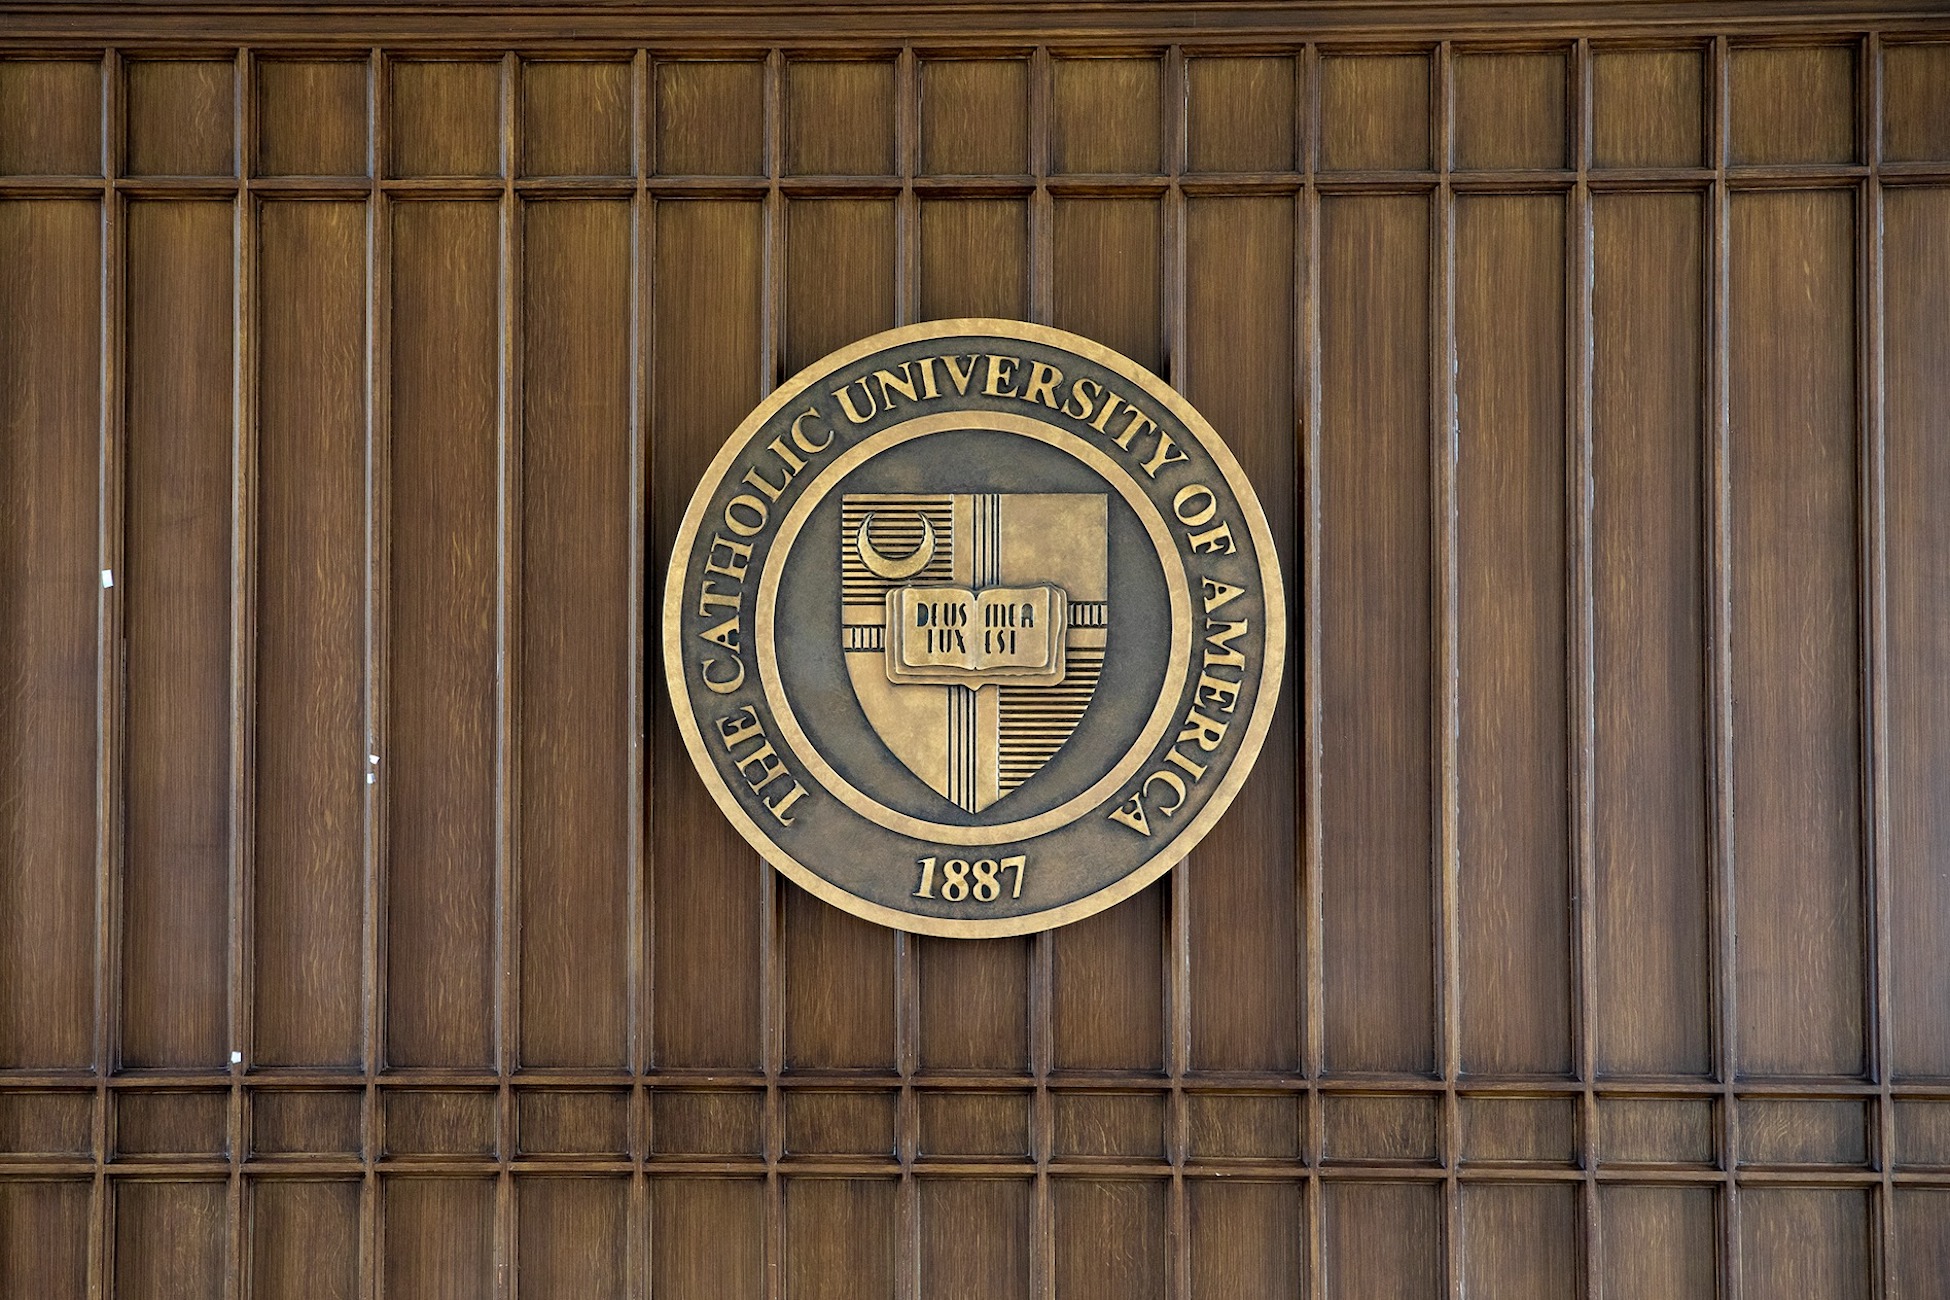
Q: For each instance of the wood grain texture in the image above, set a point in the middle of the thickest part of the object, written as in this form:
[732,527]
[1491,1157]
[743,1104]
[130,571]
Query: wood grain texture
[439,1237]
[177,603]
[1241,886]
[1520,1240]
[1650,785]
[53,115]
[707,1238]
[1510,110]
[975,1238]
[839,276]
[311,117]
[309,861]
[839,1238]
[1377,800]
[1107,1000]
[1923,1243]
[1245,1239]
[839,118]
[1374,111]
[1383,1240]
[1647,107]
[1657,1242]
[974,258]
[1793,104]
[839,987]
[446,118]
[974,1003]
[1106,115]
[575,720]
[706,883]
[437,761]
[975,116]
[1918,475]
[1916,113]
[179,118]
[1796,771]
[304,1240]
[1512,692]
[1802,1242]
[50,330]
[1110,1239]
[1240,116]
[169,1240]
[576,119]
[44,1239]
[573,1237]
[1107,275]
[710,118]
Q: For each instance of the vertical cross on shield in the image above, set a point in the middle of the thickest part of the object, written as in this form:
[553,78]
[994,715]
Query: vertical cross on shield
[974,627]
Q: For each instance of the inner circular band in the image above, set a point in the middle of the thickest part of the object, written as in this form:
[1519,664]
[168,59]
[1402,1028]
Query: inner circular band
[1176,667]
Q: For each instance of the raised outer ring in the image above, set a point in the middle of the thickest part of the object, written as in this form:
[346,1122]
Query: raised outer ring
[1273,598]
[764,626]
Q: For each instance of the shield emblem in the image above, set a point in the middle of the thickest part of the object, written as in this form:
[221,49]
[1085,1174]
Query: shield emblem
[974,627]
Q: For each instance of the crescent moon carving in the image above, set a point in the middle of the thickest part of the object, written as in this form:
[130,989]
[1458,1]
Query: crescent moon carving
[895,570]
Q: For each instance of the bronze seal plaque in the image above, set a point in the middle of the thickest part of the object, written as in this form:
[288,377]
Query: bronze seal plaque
[974,628]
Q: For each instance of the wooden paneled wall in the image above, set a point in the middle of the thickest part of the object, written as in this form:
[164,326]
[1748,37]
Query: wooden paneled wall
[1585,929]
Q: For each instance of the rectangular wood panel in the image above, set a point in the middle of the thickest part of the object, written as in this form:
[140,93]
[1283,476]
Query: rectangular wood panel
[169,1240]
[44,1238]
[709,927]
[975,1238]
[1241,886]
[1511,639]
[840,1242]
[1657,1241]
[308,883]
[1383,1240]
[304,1240]
[573,1237]
[438,754]
[439,1237]
[1796,737]
[576,707]
[50,425]
[177,610]
[1109,1239]
[1376,640]
[1649,777]
[1918,477]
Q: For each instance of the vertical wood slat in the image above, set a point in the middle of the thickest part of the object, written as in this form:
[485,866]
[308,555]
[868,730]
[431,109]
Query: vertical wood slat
[641,669]
[378,639]
[1176,938]
[178,869]
[244,495]
[1581,656]
[1042,977]
[111,701]
[907,976]
[1872,460]
[51,598]
[509,664]
[1445,618]
[1720,680]
[772,959]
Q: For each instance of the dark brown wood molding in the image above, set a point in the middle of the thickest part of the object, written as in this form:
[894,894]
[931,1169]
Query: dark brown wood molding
[627,23]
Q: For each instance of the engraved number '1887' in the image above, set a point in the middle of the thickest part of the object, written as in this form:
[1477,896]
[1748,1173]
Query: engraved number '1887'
[960,880]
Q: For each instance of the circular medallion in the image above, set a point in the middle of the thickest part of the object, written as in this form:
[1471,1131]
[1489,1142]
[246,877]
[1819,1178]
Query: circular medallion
[974,628]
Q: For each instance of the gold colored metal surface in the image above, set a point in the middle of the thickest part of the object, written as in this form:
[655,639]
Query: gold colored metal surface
[974,628]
